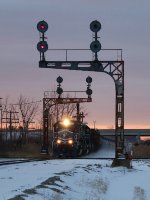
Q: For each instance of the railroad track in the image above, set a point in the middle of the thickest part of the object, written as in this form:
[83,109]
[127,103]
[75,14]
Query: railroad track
[12,162]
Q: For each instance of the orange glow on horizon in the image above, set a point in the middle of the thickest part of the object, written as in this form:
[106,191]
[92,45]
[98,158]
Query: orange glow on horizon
[127,126]
[145,138]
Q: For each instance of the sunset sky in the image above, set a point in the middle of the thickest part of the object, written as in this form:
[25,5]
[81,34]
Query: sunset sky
[125,24]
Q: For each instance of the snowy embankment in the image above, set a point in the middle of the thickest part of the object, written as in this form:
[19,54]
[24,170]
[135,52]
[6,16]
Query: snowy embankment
[79,179]
[106,150]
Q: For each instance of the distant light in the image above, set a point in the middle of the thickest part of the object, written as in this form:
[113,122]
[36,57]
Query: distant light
[70,141]
[42,46]
[58,141]
[42,26]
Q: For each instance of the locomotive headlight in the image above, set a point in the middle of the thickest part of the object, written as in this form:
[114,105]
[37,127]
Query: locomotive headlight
[70,141]
[58,141]
[66,122]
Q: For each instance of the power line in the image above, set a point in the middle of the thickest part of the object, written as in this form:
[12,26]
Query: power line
[17,104]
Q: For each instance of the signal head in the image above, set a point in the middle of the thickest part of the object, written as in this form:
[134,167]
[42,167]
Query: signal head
[89,92]
[59,90]
[89,79]
[42,26]
[59,79]
[42,46]
[95,26]
[95,46]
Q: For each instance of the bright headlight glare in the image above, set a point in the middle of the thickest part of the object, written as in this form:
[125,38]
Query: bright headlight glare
[70,141]
[66,122]
[58,141]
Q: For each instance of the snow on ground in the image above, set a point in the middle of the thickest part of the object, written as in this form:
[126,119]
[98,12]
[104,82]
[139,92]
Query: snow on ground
[78,179]
[107,150]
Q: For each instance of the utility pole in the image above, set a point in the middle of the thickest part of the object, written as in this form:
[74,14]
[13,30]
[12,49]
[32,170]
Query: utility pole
[94,123]
[1,118]
[10,120]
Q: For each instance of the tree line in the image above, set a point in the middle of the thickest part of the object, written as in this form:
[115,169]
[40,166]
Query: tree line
[18,118]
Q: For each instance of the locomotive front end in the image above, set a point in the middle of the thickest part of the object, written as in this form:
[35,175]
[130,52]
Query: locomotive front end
[64,140]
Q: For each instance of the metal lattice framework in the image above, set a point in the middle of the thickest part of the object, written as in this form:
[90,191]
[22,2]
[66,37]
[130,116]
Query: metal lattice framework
[114,68]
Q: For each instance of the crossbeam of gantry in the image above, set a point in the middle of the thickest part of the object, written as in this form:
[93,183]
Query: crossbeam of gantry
[113,67]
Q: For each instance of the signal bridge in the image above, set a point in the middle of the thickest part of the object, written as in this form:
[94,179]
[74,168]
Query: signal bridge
[49,102]
[114,68]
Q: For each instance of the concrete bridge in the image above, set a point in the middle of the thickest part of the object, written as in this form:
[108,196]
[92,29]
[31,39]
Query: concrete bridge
[127,132]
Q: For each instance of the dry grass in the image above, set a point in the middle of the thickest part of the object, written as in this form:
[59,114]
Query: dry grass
[29,150]
[139,194]
[141,151]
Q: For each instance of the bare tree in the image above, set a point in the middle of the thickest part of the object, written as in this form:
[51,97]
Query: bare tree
[28,110]
[4,115]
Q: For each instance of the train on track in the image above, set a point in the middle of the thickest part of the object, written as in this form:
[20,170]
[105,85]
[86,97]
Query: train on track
[73,138]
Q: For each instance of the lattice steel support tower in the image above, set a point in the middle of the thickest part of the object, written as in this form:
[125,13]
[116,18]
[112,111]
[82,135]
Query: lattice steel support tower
[114,68]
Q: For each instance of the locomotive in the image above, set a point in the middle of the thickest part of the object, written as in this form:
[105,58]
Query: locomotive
[73,138]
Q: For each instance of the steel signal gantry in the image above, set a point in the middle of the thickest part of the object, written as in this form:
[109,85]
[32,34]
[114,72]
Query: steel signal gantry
[48,102]
[114,68]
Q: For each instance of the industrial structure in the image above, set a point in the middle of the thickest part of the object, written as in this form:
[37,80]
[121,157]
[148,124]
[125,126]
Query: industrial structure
[48,102]
[114,68]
